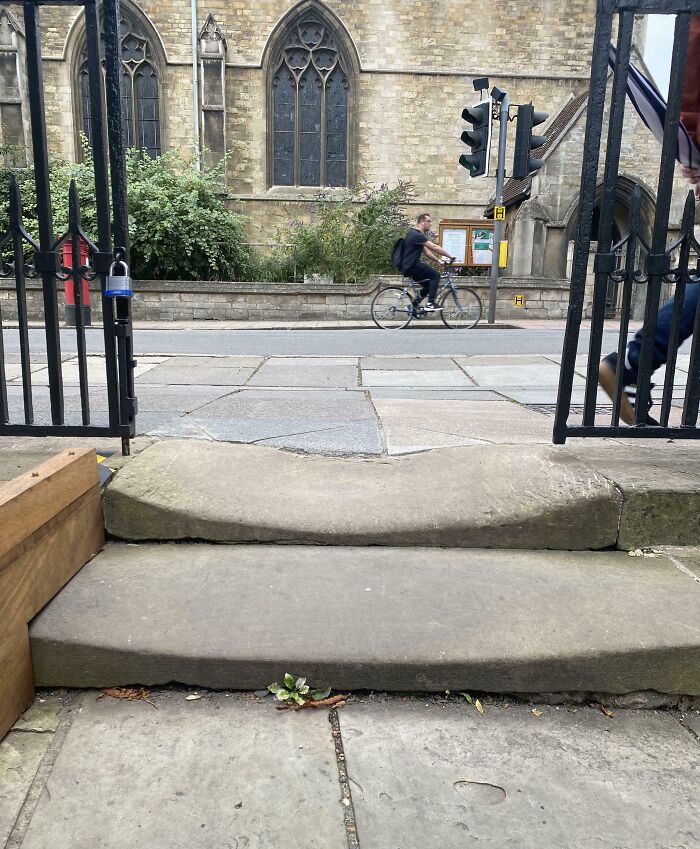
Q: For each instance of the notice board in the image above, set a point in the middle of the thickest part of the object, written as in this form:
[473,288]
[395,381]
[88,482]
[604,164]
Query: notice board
[470,242]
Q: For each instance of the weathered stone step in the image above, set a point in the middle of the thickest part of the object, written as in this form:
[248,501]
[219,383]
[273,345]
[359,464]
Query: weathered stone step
[480,497]
[226,616]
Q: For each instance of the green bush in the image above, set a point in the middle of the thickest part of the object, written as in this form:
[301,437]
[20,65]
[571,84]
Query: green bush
[351,235]
[179,224]
[180,227]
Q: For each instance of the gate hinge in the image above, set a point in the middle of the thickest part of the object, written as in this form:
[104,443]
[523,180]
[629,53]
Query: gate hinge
[658,263]
[101,261]
[46,261]
[604,263]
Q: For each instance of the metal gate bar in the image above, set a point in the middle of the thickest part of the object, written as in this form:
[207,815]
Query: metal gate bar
[118,346]
[650,264]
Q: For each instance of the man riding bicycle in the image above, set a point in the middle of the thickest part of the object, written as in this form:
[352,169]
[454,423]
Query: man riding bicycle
[415,244]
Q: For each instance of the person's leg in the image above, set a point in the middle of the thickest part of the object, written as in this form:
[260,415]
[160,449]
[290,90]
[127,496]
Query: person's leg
[421,272]
[608,366]
[663,330]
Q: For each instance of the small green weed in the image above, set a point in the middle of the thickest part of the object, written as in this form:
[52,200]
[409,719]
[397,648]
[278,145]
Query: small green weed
[295,689]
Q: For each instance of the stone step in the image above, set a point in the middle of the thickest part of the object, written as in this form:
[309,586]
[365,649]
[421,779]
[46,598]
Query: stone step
[516,496]
[401,619]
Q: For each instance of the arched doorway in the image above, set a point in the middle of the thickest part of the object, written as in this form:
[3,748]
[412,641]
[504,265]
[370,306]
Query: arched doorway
[621,228]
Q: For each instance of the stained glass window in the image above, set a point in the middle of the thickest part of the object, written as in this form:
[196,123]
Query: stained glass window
[310,103]
[139,90]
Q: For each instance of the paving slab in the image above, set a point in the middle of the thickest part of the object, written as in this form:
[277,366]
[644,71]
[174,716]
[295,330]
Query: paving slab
[200,375]
[400,377]
[308,372]
[313,436]
[239,616]
[418,393]
[14,463]
[413,425]
[20,756]
[504,360]
[426,775]
[217,772]
[407,364]
[517,375]
[327,422]
[484,496]
[270,404]
[21,753]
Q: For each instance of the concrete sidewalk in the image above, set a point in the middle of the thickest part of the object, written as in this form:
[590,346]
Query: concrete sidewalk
[346,405]
[189,769]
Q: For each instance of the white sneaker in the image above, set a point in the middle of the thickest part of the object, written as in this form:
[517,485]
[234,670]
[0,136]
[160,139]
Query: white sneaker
[432,308]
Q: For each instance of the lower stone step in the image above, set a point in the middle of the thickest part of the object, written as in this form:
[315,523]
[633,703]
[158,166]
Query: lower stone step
[414,619]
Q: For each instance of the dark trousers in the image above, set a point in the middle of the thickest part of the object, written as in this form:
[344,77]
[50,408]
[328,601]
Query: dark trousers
[663,329]
[422,272]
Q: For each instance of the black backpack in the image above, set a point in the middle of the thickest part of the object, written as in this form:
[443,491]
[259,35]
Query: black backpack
[397,254]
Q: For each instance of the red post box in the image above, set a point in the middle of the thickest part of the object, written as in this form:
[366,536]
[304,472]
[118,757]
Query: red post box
[69,287]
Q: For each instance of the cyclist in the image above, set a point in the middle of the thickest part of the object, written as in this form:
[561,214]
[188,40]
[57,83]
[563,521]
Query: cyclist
[416,243]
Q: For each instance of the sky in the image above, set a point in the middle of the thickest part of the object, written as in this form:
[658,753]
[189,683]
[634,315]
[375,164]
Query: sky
[657,50]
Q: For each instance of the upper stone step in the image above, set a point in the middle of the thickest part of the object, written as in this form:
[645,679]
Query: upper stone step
[522,496]
[240,616]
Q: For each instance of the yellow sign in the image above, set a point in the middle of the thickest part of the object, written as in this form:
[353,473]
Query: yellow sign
[503,255]
[499,213]
[519,301]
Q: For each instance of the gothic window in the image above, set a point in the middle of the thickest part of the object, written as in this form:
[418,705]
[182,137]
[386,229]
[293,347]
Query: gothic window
[310,96]
[11,90]
[140,90]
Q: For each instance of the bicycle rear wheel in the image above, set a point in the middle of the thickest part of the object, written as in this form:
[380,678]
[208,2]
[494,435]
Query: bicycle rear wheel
[392,308]
[461,308]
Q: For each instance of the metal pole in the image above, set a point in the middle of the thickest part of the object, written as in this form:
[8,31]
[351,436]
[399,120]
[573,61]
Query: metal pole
[500,179]
[195,83]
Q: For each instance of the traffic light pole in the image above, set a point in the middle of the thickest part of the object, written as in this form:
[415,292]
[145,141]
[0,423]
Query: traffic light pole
[498,225]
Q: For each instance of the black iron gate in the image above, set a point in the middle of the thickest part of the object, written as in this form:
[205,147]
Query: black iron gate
[22,257]
[651,264]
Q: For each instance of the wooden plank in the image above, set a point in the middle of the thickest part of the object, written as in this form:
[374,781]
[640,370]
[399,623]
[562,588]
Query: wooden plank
[30,576]
[16,676]
[32,499]
[32,579]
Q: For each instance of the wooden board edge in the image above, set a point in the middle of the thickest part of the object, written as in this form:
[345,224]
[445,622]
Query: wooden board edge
[37,496]
[16,675]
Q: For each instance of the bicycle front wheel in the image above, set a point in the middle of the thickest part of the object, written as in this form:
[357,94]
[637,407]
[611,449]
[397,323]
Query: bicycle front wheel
[392,308]
[461,308]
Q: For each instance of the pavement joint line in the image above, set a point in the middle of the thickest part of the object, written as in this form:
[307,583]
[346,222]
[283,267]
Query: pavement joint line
[296,433]
[693,733]
[683,568]
[349,819]
[380,424]
[464,372]
[255,370]
[43,773]
[234,391]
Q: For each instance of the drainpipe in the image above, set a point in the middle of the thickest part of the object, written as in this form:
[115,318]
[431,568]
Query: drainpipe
[195,82]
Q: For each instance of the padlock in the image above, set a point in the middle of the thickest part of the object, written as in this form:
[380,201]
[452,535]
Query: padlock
[118,285]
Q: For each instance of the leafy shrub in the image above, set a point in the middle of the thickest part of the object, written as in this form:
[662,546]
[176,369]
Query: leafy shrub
[351,235]
[179,224]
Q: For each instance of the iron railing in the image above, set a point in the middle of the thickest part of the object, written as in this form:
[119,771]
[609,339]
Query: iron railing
[651,264]
[22,256]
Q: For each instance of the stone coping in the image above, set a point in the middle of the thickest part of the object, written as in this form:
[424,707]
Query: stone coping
[207,287]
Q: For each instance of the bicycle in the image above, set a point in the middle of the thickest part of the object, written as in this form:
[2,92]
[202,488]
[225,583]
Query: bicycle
[393,307]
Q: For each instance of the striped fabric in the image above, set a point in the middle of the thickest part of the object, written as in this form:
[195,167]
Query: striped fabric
[651,108]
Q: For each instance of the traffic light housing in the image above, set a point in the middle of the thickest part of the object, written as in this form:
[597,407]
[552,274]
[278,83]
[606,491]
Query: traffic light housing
[525,142]
[478,138]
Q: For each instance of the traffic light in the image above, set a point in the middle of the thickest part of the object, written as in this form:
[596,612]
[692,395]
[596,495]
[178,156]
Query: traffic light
[525,142]
[478,138]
